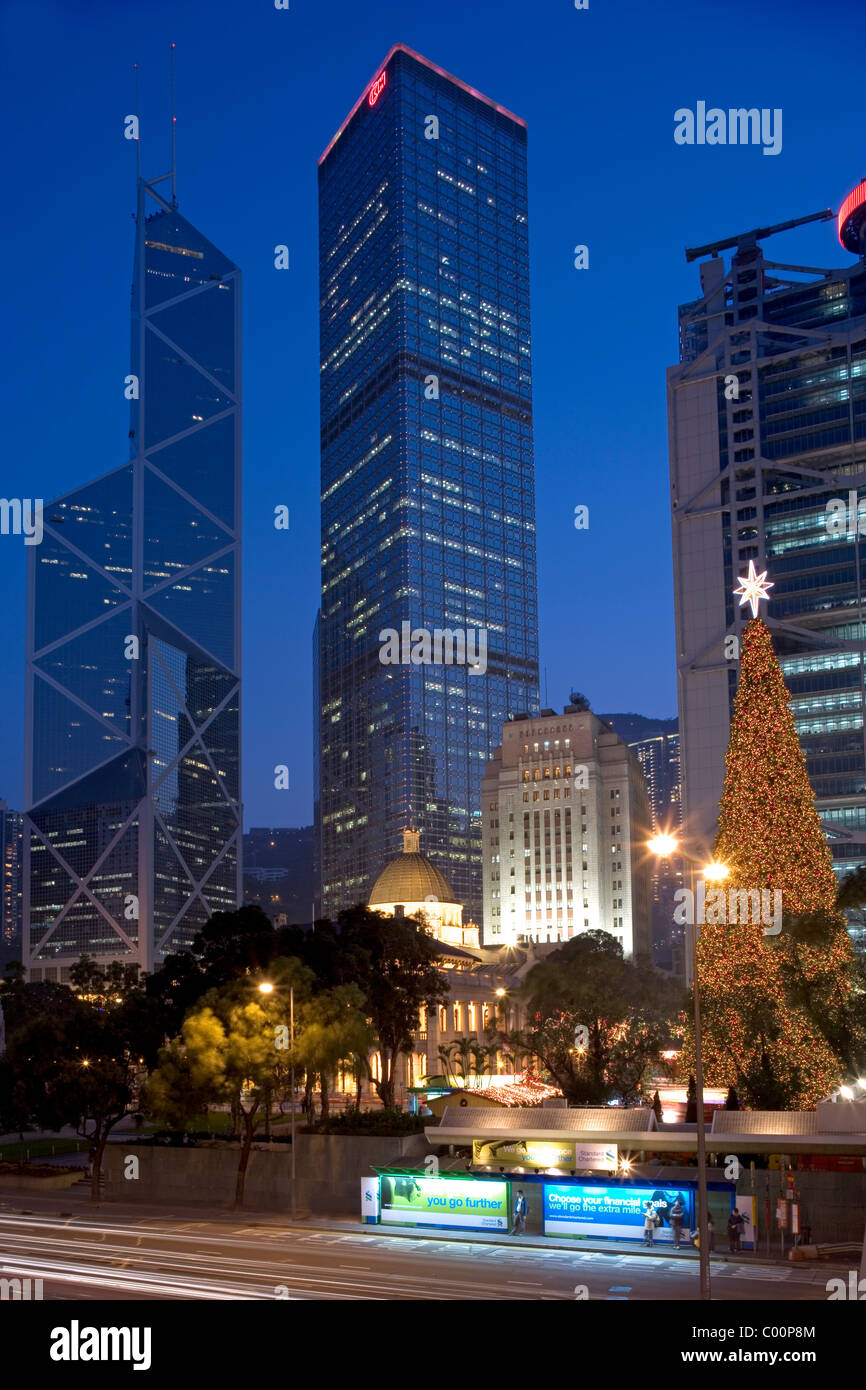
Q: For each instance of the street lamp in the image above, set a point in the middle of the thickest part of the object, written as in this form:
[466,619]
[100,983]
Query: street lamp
[664,845]
[267,988]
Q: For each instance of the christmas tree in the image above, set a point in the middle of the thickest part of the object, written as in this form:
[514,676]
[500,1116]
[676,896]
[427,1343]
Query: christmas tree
[765,997]
[769,832]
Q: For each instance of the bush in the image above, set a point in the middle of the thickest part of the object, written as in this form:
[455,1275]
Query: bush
[375,1122]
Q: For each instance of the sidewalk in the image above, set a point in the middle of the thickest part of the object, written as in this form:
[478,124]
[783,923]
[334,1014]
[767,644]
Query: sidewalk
[75,1202]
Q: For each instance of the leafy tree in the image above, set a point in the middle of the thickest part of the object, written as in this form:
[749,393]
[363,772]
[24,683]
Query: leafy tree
[596,1021]
[172,1093]
[395,963]
[482,1057]
[333,1029]
[77,1053]
[692,1102]
[230,946]
[233,944]
[444,1054]
[230,1055]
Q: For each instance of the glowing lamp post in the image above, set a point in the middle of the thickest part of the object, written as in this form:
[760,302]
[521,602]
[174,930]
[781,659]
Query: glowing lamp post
[267,988]
[714,872]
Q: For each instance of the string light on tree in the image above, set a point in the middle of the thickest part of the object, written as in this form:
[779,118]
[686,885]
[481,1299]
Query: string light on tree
[753,588]
[758,1032]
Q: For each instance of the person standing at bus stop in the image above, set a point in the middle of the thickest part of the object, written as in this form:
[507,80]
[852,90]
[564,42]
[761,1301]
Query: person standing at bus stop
[678,1211]
[650,1221]
[519,1213]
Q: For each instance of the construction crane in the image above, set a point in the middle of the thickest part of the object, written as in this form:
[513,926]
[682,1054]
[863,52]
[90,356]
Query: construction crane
[746,239]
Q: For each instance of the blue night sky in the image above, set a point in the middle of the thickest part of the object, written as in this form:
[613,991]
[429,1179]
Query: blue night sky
[260,93]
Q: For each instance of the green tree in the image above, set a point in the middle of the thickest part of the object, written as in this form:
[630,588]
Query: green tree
[596,1021]
[231,1056]
[444,1054]
[692,1102]
[333,1029]
[172,1094]
[396,965]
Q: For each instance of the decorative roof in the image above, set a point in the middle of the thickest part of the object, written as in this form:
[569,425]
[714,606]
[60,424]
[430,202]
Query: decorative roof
[411,878]
[533,1117]
[765,1122]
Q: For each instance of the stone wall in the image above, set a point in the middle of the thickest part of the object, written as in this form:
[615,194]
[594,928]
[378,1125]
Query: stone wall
[329,1170]
[833,1205]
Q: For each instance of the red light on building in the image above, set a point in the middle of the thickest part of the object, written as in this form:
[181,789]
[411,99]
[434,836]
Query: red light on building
[852,219]
[377,88]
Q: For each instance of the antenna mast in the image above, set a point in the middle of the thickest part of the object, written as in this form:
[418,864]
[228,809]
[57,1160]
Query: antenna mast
[173,140]
[138,119]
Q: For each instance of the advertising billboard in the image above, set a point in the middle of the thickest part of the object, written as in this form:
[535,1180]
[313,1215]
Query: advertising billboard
[527,1153]
[590,1209]
[545,1153]
[480,1206]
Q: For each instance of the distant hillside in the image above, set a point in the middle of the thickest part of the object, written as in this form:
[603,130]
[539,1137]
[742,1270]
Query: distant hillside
[632,727]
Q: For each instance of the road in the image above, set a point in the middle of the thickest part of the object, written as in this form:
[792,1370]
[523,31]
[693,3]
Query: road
[98,1257]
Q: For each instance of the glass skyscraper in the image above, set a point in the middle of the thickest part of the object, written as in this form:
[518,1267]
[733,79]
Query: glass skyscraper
[428,513]
[768,441]
[11,886]
[132,833]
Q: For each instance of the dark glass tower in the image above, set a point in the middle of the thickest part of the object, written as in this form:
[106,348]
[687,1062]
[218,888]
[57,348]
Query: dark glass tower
[134,821]
[428,513]
[767,409]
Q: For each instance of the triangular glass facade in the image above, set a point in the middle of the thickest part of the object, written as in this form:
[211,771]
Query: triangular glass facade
[133,682]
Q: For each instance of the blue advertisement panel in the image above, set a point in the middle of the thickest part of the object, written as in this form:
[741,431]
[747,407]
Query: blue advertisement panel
[590,1209]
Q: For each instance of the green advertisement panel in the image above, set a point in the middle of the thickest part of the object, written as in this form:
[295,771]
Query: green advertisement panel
[528,1153]
[480,1206]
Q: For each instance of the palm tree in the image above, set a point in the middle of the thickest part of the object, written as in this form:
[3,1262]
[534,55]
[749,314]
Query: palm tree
[444,1054]
[480,1057]
[463,1048]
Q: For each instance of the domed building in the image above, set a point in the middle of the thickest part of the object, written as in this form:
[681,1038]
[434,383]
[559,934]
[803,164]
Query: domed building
[412,886]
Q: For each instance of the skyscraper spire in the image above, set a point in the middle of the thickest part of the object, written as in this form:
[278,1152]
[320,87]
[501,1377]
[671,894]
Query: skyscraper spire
[173,138]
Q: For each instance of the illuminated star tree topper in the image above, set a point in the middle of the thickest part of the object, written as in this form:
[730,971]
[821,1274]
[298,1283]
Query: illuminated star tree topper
[753,587]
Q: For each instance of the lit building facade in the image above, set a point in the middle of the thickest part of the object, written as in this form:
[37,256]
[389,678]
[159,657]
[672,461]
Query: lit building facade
[133,641]
[659,758]
[11,883]
[565,822]
[426,471]
[767,419]
[411,886]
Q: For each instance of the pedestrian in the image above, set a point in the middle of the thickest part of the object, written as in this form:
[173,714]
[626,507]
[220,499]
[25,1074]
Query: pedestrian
[711,1235]
[677,1213]
[734,1228]
[519,1213]
[649,1223]
[740,1229]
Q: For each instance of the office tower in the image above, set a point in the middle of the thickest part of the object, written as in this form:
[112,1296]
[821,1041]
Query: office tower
[659,758]
[278,872]
[565,819]
[767,413]
[11,887]
[427,472]
[133,822]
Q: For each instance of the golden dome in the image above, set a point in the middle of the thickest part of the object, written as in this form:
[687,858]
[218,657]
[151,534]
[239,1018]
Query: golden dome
[410,878]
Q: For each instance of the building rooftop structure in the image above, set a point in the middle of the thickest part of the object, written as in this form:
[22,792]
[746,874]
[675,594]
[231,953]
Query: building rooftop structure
[411,878]
[833,1128]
